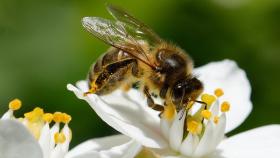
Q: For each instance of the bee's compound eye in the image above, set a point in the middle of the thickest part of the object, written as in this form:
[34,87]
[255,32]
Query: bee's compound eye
[177,94]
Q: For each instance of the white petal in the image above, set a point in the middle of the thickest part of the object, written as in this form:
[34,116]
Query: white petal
[165,153]
[113,146]
[189,144]
[206,142]
[128,150]
[17,142]
[90,154]
[165,127]
[233,80]
[45,140]
[176,131]
[99,144]
[257,143]
[125,115]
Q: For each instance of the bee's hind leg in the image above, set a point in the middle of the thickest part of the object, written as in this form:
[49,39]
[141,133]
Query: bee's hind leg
[151,102]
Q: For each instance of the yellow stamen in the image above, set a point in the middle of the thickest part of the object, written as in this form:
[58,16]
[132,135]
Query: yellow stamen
[208,99]
[15,104]
[59,138]
[48,117]
[169,112]
[225,106]
[66,118]
[206,114]
[194,127]
[57,117]
[35,115]
[216,119]
[38,111]
[219,92]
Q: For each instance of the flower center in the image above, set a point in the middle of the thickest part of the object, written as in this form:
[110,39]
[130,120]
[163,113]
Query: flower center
[202,128]
[194,127]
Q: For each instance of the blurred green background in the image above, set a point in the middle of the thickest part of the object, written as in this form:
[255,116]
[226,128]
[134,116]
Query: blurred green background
[43,47]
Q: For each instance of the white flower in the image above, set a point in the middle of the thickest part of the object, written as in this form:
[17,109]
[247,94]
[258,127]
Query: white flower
[169,137]
[33,137]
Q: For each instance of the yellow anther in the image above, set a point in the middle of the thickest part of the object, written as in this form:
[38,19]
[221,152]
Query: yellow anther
[225,106]
[66,118]
[206,114]
[169,112]
[59,138]
[57,117]
[28,115]
[216,119]
[35,115]
[48,117]
[219,92]
[38,111]
[194,127]
[208,99]
[15,104]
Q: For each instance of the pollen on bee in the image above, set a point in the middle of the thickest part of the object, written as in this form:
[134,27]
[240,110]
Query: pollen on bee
[15,104]
[169,112]
[92,89]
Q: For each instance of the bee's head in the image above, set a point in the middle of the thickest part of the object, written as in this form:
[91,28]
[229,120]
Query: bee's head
[186,89]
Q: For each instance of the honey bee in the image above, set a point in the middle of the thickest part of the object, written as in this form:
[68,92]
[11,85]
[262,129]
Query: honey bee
[138,55]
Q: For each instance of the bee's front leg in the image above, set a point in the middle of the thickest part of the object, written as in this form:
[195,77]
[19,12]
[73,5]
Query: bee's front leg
[151,102]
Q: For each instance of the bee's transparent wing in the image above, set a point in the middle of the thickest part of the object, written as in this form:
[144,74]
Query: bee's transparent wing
[140,30]
[119,35]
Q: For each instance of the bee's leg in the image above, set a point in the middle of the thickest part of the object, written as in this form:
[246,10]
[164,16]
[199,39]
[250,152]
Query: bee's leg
[151,102]
[135,72]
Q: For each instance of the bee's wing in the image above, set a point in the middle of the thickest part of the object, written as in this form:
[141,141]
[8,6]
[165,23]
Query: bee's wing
[139,29]
[118,34]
